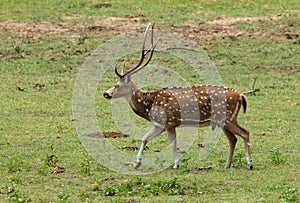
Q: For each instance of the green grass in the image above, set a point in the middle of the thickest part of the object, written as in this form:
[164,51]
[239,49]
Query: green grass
[37,75]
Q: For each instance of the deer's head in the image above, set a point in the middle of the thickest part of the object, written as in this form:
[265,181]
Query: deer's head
[125,87]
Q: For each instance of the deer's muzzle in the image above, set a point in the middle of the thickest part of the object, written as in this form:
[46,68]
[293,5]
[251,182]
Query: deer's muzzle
[107,96]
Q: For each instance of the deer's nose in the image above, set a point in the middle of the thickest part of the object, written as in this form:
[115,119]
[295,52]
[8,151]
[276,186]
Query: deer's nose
[106,95]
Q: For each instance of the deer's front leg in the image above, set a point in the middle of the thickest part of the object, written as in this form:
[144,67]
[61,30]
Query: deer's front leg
[154,131]
[172,138]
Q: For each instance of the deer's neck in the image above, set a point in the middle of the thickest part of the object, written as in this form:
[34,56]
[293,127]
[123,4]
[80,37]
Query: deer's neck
[141,103]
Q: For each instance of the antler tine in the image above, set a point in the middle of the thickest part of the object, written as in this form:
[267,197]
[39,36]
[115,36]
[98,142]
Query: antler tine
[143,48]
[116,70]
[149,59]
[144,53]
[144,41]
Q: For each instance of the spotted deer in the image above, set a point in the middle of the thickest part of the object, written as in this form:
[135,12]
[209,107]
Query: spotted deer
[172,107]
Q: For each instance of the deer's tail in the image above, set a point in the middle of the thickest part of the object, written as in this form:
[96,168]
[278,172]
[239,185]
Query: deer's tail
[244,102]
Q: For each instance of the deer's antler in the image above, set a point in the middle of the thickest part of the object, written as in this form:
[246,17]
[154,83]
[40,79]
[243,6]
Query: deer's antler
[144,53]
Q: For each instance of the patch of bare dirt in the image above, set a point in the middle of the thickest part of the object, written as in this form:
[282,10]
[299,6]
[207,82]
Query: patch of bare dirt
[224,28]
[99,26]
[215,29]
[106,134]
[228,21]
[284,68]
[34,28]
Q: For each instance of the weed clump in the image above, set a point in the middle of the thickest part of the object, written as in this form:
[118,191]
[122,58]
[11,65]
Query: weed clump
[144,189]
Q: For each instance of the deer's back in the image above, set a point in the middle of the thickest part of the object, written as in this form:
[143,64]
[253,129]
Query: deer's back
[197,105]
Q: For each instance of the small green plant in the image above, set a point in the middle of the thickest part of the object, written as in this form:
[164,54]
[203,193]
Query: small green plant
[17,48]
[144,189]
[63,198]
[13,164]
[17,197]
[51,159]
[132,141]
[59,128]
[275,156]
[290,194]
[86,166]
[185,160]
[237,159]
[95,186]
[82,39]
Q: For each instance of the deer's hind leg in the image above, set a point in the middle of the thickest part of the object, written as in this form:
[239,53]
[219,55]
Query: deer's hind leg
[232,142]
[238,130]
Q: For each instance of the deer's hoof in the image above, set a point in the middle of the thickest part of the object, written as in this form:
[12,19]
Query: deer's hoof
[175,166]
[251,167]
[138,164]
[228,165]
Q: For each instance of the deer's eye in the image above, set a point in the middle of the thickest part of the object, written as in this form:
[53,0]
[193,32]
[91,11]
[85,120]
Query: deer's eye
[117,86]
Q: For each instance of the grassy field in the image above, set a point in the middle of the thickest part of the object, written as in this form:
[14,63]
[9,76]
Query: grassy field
[43,47]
